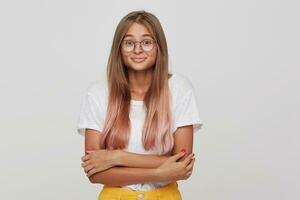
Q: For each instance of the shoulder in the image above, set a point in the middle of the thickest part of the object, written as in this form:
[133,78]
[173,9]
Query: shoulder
[97,86]
[181,84]
[97,90]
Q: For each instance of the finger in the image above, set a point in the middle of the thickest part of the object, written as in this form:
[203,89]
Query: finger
[188,159]
[91,172]
[191,165]
[188,175]
[86,163]
[84,158]
[88,168]
[177,156]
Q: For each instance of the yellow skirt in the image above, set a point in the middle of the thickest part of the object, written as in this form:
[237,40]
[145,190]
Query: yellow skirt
[168,192]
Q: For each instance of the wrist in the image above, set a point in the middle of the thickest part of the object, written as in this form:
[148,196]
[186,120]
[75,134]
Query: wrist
[157,174]
[117,155]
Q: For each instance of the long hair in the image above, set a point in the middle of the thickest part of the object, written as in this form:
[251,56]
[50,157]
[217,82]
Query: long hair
[156,133]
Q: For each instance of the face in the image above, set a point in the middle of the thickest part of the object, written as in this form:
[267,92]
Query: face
[138,59]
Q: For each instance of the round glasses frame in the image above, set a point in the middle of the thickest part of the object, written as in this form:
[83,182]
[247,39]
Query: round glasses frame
[134,45]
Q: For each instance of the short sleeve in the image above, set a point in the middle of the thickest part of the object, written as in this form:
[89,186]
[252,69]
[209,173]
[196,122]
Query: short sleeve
[187,112]
[91,115]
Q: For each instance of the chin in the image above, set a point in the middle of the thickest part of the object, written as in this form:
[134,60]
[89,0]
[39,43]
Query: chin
[139,67]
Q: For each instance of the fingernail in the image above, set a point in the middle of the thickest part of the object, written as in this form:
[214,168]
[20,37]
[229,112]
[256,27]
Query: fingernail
[183,150]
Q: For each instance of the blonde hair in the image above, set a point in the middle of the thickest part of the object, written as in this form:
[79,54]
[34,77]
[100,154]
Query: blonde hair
[156,134]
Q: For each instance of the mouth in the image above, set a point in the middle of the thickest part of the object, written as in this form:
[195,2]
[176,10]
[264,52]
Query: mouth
[138,60]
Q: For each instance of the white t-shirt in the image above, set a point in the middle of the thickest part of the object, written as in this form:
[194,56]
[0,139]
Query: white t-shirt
[184,109]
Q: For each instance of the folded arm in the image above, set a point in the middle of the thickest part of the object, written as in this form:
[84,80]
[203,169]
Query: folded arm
[119,176]
[132,168]
[129,159]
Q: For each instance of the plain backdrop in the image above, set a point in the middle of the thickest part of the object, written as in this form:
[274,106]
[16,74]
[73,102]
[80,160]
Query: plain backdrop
[241,56]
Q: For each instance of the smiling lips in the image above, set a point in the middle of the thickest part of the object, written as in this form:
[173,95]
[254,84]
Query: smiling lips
[138,59]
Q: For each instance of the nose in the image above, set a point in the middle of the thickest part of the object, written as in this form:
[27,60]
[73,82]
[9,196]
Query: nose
[138,48]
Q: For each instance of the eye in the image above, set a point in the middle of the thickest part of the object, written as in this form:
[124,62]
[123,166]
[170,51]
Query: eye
[147,42]
[128,42]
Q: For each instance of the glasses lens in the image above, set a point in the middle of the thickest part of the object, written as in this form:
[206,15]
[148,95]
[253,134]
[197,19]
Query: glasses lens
[128,45]
[147,45]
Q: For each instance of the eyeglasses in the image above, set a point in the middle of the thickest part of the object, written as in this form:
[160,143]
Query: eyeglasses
[146,45]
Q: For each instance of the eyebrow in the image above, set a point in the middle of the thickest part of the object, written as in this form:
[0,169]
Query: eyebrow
[144,35]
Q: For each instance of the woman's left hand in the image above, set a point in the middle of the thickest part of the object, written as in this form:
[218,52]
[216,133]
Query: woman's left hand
[98,160]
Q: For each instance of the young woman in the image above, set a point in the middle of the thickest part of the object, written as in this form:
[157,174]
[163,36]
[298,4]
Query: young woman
[139,123]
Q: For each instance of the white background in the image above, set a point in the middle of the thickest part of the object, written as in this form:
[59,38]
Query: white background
[241,56]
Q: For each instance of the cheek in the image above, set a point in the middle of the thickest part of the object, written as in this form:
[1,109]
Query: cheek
[153,58]
[125,58]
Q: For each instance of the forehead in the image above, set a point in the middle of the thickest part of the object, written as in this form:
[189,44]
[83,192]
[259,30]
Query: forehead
[138,31]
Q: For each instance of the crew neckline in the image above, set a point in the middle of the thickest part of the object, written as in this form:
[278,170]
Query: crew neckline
[140,102]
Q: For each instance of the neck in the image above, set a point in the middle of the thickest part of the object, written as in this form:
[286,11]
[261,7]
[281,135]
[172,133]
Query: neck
[140,81]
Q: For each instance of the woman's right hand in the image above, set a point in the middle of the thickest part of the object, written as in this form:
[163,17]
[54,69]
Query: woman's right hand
[171,170]
[98,160]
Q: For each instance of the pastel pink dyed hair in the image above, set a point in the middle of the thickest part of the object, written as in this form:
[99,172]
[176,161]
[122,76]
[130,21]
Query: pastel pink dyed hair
[156,133]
